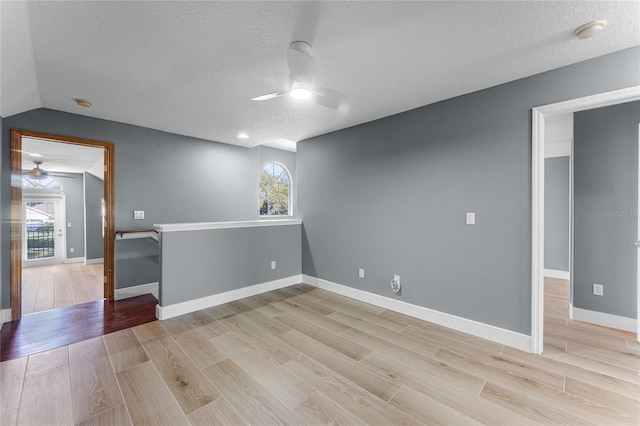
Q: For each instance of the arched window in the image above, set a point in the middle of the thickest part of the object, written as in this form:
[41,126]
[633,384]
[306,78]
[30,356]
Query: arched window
[46,183]
[275,190]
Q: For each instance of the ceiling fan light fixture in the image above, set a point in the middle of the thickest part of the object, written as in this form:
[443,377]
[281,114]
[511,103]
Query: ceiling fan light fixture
[590,29]
[39,176]
[300,91]
[37,173]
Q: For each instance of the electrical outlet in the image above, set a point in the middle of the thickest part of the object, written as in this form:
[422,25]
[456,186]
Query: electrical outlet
[138,214]
[72,250]
[273,264]
[395,284]
[598,289]
[360,273]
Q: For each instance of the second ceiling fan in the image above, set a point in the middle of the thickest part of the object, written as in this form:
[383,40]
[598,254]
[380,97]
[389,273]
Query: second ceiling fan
[39,173]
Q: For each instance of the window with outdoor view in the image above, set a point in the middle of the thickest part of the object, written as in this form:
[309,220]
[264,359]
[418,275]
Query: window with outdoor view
[274,191]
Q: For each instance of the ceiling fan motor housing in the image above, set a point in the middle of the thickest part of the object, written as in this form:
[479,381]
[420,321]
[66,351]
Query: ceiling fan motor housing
[301,62]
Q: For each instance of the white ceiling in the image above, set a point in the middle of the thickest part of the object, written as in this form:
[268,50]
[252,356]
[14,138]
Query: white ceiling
[62,157]
[192,67]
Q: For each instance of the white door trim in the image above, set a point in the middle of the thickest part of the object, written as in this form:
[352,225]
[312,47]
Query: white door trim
[638,249]
[537,217]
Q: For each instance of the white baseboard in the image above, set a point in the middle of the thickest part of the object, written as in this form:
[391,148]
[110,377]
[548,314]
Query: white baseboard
[603,319]
[485,331]
[5,316]
[136,290]
[561,275]
[74,260]
[93,261]
[170,311]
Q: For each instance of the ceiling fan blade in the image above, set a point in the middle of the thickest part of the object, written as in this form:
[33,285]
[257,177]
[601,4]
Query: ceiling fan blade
[64,174]
[330,98]
[301,63]
[268,96]
[38,175]
[41,174]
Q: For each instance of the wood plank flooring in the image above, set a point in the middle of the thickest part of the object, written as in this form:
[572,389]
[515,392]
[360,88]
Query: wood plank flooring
[57,286]
[47,330]
[302,355]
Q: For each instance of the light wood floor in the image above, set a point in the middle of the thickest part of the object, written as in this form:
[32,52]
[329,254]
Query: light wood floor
[56,286]
[306,356]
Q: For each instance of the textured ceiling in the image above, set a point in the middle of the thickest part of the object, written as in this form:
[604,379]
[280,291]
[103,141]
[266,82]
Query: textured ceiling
[192,67]
[62,157]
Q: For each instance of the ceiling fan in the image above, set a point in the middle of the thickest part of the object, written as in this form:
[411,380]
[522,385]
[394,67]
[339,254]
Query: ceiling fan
[302,67]
[37,173]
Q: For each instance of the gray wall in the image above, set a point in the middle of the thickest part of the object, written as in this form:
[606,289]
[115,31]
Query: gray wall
[606,208]
[173,178]
[288,159]
[202,263]
[390,196]
[556,213]
[136,262]
[74,206]
[93,194]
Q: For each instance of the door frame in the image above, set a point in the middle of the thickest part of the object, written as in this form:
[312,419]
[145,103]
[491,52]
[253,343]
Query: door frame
[60,253]
[538,114]
[638,250]
[16,210]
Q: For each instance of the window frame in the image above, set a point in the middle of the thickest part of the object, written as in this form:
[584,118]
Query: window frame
[290,195]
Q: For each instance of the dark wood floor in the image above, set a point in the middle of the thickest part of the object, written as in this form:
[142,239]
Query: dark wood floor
[42,331]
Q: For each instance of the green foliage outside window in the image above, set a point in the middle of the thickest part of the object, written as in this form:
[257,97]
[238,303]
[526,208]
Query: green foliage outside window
[274,191]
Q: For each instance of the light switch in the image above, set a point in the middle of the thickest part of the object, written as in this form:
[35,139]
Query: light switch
[138,214]
[69,225]
[471,218]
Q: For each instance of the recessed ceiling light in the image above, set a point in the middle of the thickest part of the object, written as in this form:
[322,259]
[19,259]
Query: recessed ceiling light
[590,30]
[83,103]
[243,135]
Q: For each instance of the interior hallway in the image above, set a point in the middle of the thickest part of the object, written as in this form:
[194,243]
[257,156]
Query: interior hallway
[57,286]
[581,343]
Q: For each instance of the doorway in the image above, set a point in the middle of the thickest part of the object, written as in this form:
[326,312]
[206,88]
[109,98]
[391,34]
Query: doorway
[539,115]
[42,232]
